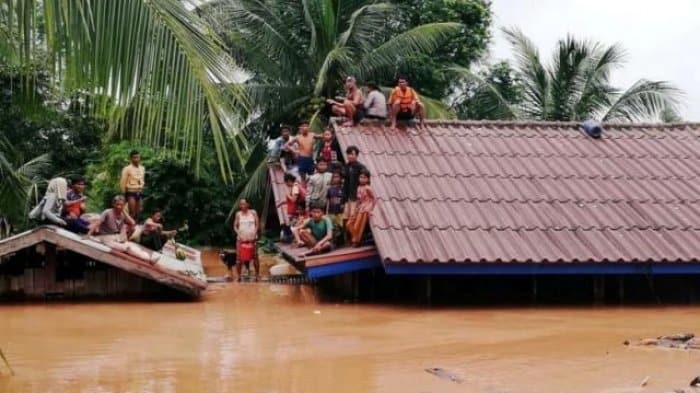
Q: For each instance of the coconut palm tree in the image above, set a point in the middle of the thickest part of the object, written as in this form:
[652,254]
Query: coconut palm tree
[18,182]
[155,69]
[576,85]
[297,50]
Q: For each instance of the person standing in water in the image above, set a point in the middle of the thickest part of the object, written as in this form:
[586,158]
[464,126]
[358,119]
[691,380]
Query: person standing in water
[246,225]
[132,183]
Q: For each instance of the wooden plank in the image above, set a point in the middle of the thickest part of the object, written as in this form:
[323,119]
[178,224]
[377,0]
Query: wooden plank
[50,267]
[100,283]
[29,282]
[39,281]
[133,265]
[96,251]
[21,241]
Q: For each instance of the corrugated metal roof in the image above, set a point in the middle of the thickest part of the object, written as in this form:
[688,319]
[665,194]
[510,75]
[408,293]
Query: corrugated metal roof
[533,192]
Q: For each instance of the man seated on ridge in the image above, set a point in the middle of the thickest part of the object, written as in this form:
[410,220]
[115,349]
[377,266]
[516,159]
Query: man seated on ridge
[352,106]
[375,104]
[405,104]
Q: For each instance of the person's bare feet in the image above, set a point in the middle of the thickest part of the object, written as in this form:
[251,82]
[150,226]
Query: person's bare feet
[347,124]
[300,244]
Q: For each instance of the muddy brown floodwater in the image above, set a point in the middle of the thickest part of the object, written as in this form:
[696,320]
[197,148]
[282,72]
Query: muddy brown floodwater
[279,338]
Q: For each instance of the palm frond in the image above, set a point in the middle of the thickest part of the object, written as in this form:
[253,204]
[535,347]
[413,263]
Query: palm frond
[490,100]
[363,25]
[534,76]
[592,92]
[643,101]
[154,68]
[422,39]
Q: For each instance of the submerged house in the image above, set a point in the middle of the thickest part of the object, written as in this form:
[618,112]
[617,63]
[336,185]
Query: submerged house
[50,262]
[524,198]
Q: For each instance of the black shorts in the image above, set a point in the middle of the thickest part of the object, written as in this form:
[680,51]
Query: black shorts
[359,114]
[374,117]
[135,195]
[405,114]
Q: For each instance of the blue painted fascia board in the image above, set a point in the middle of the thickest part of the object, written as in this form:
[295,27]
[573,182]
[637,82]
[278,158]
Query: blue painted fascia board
[343,267]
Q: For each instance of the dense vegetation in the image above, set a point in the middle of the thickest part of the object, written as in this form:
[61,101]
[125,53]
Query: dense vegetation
[199,90]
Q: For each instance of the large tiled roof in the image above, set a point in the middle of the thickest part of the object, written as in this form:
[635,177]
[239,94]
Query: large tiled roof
[533,192]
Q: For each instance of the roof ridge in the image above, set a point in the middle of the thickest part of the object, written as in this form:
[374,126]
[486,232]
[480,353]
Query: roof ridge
[542,200]
[539,123]
[532,177]
[649,227]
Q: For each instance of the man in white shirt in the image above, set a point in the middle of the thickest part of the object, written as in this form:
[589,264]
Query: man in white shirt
[375,103]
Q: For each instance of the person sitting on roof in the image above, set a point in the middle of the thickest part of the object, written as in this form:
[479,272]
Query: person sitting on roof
[366,200]
[114,221]
[316,232]
[74,207]
[352,105]
[153,234]
[51,206]
[375,104]
[405,104]
[276,146]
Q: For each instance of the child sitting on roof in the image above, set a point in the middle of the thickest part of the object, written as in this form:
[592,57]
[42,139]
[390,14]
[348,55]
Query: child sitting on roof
[316,232]
[74,207]
[366,201]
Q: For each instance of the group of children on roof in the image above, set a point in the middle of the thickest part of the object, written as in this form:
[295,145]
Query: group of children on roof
[328,200]
[64,205]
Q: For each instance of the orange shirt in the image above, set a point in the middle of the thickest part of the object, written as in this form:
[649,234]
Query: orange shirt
[404,98]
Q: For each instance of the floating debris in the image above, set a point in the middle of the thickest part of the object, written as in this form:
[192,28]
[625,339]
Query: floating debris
[444,374]
[2,355]
[676,341]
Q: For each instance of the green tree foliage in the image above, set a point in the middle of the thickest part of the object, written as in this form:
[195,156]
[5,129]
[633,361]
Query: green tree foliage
[37,121]
[484,92]
[19,180]
[428,71]
[576,85]
[298,50]
[171,185]
[155,70]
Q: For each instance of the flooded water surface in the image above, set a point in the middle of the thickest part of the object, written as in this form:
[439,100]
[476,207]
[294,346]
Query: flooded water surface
[278,338]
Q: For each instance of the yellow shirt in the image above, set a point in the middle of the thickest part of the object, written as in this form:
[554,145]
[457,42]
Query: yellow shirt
[133,178]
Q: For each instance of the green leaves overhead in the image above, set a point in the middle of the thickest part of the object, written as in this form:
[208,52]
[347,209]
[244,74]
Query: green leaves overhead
[156,70]
[576,85]
[298,49]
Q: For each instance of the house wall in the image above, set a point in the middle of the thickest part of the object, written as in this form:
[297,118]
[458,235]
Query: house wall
[52,273]
[375,286]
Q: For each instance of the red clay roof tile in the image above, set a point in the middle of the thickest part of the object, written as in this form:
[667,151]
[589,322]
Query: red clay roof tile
[533,192]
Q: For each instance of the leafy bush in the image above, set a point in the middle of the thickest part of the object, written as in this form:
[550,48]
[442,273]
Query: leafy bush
[171,186]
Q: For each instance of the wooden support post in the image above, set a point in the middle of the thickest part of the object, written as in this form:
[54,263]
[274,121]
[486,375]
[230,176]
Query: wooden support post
[599,289]
[533,294]
[266,203]
[50,268]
